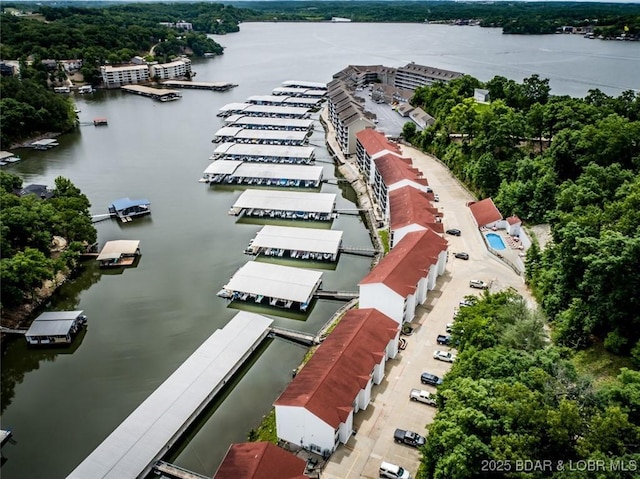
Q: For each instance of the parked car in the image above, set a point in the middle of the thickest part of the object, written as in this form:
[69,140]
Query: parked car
[393,471]
[449,326]
[443,339]
[445,356]
[422,396]
[462,255]
[454,232]
[409,438]
[466,302]
[431,379]
[436,197]
[478,284]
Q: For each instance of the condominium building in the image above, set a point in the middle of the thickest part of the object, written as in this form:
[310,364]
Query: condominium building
[412,76]
[175,69]
[115,77]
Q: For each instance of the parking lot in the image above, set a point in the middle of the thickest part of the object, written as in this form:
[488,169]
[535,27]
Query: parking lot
[389,121]
[390,407]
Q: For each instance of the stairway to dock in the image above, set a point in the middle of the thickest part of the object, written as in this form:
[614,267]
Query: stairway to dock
[296,336]
[370,252]
[176,472]
[339,295]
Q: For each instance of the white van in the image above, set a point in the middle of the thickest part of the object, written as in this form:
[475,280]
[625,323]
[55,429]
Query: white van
[392,471]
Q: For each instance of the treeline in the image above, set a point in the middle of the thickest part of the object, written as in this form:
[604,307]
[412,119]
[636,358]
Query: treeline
[513,17]
[27,226]
[29,108]
[571,162]
[514,405]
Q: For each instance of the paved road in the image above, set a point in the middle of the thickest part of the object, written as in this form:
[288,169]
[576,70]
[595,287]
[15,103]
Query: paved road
[390,407]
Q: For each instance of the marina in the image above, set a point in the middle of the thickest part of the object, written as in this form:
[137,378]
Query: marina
[241,135]
[44,144]
[145,436]
[285,205]
[119,253]
[274,285]
[162,95]
[264,110]
[297,243]
[126,209]
[200,85]
[234,172]
[265,153]
[55,328]
[269,123]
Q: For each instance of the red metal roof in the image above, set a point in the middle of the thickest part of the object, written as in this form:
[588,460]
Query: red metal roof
[394,169]
[328,384]
[260,460]
[408,262]
[374,142]
[512,220]
[485,212]
[409,206]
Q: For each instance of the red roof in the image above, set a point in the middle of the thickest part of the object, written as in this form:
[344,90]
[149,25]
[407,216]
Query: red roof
[408,262]
[409,206]
[513,220]
[394,169]
[259,460]
[485,212]
[374,142]
[328,384]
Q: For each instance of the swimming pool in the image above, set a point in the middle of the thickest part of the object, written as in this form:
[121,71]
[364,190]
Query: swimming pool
[495,241]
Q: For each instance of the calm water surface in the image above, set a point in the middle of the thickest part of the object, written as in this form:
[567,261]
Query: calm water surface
[144,322]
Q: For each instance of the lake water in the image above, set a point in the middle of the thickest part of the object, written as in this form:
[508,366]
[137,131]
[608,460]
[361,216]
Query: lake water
[143,323]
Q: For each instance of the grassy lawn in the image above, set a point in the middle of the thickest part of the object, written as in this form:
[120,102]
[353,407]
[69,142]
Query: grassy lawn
[599,363]
[266,430]
[384,238]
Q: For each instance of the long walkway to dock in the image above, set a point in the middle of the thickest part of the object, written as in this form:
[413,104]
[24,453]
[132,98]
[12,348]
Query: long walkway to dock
[133,449]
[176,472]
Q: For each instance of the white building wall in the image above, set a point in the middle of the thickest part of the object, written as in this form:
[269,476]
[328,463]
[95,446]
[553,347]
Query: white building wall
[442,263]
[432,277]
[423,288]
[346,429]
[400,233]
[410,311]
[380,297]
[300,427]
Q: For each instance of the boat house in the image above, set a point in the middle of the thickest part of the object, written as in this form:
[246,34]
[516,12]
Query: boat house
[126,208]
[273,284]
[44,144]
[233,172]
[299,92]
[304,84]
[265,153]
[264,110]
[291,205]
[299,243]
[238,134]
[269,123]
[155,93]
[119,253]
[283,100]
[55,328]
[7,157]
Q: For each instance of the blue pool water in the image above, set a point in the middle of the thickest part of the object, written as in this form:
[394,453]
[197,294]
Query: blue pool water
[495,241]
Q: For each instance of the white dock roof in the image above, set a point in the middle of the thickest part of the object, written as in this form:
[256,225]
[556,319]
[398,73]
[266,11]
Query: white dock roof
[300,239]
[250,108]
[265,170]
[286,201]
[298,91]
[304,84]
[282,100]
[6,154]
[275,281]
[140,440]
[240,120]
[240,133]
[280,151]
[53,323]
[116,248]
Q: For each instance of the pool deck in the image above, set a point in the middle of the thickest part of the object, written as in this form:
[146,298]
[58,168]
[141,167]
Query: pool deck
[513,249]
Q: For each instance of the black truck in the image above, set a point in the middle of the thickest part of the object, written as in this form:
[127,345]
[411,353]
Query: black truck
[444,339]
[409,438]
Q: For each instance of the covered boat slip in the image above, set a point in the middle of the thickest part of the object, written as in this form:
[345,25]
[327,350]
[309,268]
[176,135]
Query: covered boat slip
[282,100]
[285,205]
[55,327]
[238,134]
[264,110]
[125,208]
[199,85]
[119,253]
[143,438]
[273,284]
[299,243]
[299,92]
[304,84]
[265,153]
[155,93]
[269,123]
[262,174]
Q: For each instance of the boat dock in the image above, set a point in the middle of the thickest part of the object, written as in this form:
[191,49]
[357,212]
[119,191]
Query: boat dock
[299,92]
[134,448]
[44,144]
[304,84]
[298,243]
[264,110]
[339,295]
[162,95]
[273,285]
[270,123]
[238,134]
[175,472]
[126,208]
[200,85]
[100,121]
[6,158]
[299,155]
[119,253]
[299,337]
[230,172]
[5,436]
[55,328]
[369,252]
[285,205]
[284,100]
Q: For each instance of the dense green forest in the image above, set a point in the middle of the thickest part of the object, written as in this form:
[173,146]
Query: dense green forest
[27,226]
[511,397]
[585,183]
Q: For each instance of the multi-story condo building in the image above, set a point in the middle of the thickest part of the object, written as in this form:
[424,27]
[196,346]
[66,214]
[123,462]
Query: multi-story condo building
[175,69]
[412,76]
[115,77]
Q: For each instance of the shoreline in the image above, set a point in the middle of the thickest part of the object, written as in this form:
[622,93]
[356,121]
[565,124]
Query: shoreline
[27,142]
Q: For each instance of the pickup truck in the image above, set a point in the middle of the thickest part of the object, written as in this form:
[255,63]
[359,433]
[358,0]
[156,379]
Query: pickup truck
[409,438]
[420,395]
[443,339]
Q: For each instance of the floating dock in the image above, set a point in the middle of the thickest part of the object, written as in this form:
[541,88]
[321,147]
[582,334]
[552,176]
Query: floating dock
[265,153]
[55,328]
[270,123]
[100,121]
[231,172]
[6,158]
[5,436]
[44,144]
[283,100]
[299,92]
[304,84]
[285,205]
[237,134]
[135,446]
[119,253]
[126,208]
[264,110]
[162,95]
[272,284]
[299,243]
[200,85]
